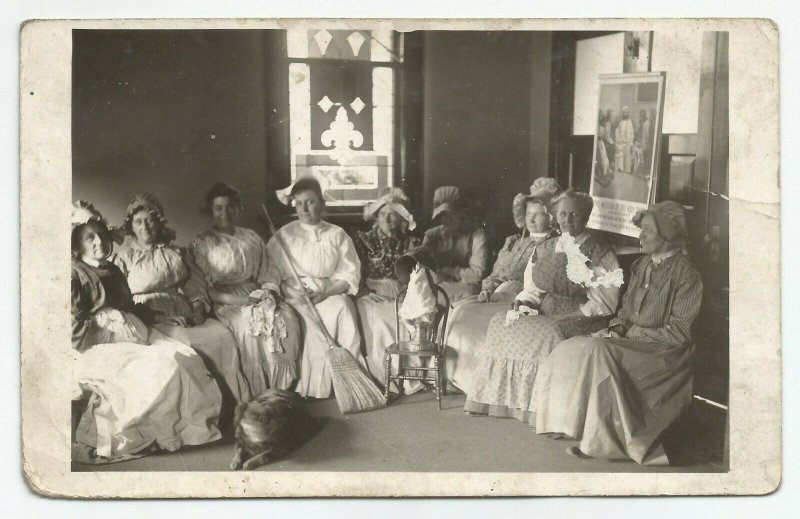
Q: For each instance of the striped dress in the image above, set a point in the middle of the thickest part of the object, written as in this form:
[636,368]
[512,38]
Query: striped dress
[617,395]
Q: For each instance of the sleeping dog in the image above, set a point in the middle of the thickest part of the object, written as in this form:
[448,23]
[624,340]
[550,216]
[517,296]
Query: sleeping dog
[271,425]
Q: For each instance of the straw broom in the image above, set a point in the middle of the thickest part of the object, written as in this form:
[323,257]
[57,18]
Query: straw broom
[354,389]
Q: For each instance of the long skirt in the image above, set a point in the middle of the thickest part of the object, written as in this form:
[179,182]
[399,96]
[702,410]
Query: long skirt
[615,395]
[215,343]
[466,334]
[142,395]
[262,368]
[501,379]
[378,323]
[339,317]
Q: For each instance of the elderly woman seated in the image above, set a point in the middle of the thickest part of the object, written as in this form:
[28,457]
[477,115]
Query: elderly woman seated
[469,319]
[378,249]
[244,286]
[147,391]
[459,245]
[619,389]
[563,296]
[166,279]
[325,260]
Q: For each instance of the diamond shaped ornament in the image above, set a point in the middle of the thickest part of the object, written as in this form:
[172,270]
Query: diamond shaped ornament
[357,105]
[325,103]
[323,39]
[356,40]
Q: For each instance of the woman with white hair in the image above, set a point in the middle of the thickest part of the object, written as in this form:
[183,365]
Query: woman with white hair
[469,319]
[378,249]
[619,389]
[571,288]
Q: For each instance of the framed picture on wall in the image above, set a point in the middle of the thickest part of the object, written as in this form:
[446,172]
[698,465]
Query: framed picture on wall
[626,148]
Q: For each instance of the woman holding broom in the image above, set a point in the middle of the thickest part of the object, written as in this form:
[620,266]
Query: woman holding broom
[327,264]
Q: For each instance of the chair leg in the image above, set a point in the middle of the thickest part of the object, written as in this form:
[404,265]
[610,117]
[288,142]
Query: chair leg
[387,373]
[442,374]
[436,385]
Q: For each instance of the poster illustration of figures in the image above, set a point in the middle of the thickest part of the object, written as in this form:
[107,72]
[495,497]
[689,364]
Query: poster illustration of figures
[626,146]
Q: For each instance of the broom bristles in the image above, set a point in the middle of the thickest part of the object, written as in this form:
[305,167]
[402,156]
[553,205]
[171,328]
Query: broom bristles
[355,391]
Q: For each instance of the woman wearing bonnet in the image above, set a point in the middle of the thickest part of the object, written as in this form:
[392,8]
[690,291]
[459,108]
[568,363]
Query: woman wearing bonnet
[571,288]
[147,391]
[244,287]
[165,278]
[619,389]
[470,317]
[458,243]
[378,249]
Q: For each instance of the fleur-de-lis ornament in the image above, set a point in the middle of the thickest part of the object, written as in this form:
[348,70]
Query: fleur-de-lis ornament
[341,135]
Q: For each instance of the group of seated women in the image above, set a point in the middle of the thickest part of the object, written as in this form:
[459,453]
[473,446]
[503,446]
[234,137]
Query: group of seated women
[166,337]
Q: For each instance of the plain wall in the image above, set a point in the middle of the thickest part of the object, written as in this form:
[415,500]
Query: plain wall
[171,112]
[486,116]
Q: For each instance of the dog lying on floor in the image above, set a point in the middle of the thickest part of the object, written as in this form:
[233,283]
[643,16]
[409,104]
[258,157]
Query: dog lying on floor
[271,425]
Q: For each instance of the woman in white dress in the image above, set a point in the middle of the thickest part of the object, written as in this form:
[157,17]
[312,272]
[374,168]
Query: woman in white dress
[326,261]
[146,391]
[244,286]
[165,278]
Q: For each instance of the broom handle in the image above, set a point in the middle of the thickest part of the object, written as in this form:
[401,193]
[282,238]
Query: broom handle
[311,306]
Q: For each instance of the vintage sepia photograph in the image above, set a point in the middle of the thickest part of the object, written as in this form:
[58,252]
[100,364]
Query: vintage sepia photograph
[341,248]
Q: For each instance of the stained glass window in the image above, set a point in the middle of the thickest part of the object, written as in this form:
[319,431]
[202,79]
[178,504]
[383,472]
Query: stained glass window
[342,110]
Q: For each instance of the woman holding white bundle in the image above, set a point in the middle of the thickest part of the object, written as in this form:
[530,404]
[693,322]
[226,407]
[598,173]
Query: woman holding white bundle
[243,283]
[571,288]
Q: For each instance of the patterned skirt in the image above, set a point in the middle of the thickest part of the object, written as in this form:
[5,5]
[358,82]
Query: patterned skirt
[504,371]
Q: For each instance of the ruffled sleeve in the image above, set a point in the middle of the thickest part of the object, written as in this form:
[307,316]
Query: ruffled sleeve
[348,267]
[603,300]
[199,251]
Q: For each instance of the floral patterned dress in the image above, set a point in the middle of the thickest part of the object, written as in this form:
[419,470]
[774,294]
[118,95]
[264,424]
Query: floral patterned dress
[378,254]
[469,319]
[238,264]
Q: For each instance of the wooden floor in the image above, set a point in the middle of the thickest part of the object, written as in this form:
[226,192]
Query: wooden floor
[411,435]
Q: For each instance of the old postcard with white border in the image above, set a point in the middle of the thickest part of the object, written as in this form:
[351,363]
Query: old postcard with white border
[531,257]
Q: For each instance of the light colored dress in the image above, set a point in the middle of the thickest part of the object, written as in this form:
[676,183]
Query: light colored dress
[378,253]
[624,145]
[617,395]
[166,279]
[500,381]
[463,259]
[145,388]
[238,264]
[322,255]
[469,319]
